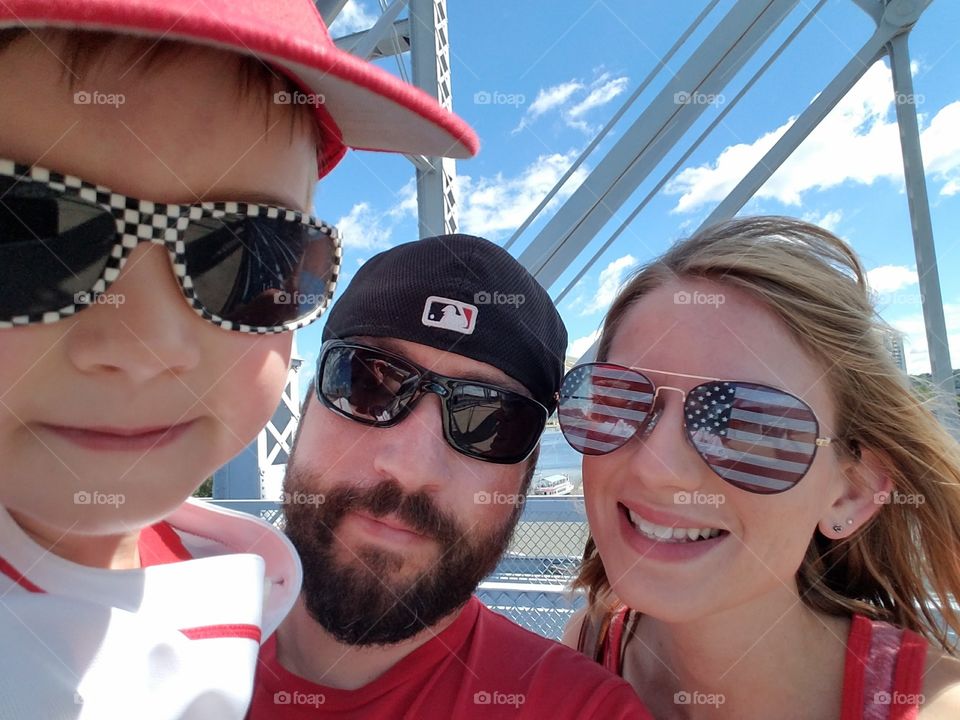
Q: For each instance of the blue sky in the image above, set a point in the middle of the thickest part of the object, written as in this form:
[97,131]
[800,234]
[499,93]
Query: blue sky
[538,85]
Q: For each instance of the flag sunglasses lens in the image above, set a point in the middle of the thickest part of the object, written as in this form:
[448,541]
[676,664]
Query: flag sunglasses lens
[755,437]
[378,388]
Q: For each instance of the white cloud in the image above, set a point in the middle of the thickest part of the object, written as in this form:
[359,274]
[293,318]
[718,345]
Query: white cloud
[609,281]
[858,141]
[603,92]
[491,205]
[890,278]
[549,98]
[563,97]
[353,18]
[364,229]
[578,347]
[828,221]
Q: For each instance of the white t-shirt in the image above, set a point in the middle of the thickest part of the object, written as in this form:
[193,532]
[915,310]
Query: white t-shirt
[177,638]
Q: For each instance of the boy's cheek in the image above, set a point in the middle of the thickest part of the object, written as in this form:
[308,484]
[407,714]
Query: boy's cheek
[247,392]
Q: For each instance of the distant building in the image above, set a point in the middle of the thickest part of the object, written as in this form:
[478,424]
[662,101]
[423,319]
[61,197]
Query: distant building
[893,340]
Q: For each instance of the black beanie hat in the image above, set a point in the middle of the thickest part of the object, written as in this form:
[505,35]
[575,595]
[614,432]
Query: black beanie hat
[460,294]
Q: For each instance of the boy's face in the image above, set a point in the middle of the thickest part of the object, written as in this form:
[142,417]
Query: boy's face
[109,419]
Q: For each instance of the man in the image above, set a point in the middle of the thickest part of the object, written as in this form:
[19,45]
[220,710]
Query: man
[415,423]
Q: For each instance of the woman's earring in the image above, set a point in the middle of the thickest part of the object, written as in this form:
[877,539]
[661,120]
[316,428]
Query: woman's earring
[838,528]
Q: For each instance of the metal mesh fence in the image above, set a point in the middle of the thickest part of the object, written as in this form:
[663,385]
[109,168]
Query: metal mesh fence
[530,584]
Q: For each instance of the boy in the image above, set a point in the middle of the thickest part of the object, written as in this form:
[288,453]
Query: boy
[144,337]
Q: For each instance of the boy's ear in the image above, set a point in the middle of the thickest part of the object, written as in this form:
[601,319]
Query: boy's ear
[866,489]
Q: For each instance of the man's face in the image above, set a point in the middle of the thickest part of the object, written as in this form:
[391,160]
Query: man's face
[71,390]
[394,527]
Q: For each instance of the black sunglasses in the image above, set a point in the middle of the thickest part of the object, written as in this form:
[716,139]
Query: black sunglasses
[757,438]
[378,388]
[242,266]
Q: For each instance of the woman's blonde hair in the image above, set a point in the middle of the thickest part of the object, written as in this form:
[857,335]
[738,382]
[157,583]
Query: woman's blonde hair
[908,555]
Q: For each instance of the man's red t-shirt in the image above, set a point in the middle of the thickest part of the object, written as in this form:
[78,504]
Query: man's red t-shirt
[481,666]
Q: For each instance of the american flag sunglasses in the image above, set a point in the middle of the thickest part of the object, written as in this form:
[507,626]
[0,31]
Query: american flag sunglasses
[757,438]
[241,266]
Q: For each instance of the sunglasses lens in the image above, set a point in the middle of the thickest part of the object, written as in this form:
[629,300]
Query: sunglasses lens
[492,424]
[53,249]
[260,271]
[757,438]
[365,385]
[602,406]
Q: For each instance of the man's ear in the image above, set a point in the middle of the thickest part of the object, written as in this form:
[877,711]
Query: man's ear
[867,488]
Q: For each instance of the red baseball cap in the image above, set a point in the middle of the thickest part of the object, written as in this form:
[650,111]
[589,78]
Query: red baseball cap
[356,104]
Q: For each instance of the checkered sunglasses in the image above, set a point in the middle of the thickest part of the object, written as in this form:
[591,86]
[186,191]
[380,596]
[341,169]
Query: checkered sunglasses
[242,266]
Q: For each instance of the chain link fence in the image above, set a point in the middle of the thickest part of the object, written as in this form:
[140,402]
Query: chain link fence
[530,584]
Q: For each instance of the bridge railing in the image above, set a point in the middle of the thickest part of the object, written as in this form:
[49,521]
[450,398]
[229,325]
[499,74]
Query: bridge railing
[530,584]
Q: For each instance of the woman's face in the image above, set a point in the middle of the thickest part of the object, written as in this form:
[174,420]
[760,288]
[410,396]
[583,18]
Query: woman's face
[656,482]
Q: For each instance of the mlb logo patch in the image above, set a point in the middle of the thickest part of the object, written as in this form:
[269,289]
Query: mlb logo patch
[449,314]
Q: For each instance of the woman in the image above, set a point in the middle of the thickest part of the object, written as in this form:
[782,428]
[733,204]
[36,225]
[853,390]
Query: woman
[775,517]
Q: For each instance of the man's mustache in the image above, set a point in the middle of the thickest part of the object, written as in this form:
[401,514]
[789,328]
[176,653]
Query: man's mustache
[417,510]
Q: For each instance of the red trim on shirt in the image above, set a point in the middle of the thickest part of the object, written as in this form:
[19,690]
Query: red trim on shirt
[908,676]
[218,632]
[159,544]
[18,577]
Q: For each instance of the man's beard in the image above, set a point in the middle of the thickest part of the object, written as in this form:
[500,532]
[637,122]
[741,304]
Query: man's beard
[356,600]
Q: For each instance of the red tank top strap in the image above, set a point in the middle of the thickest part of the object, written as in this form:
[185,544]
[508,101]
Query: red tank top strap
[883,672]
[613,642]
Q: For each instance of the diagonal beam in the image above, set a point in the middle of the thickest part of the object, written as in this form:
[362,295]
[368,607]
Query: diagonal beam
[730,45]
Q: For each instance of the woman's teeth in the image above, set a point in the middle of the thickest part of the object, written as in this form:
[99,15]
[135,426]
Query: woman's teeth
[670,534]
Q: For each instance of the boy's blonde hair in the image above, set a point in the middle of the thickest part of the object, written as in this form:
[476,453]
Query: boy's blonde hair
[908,555]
